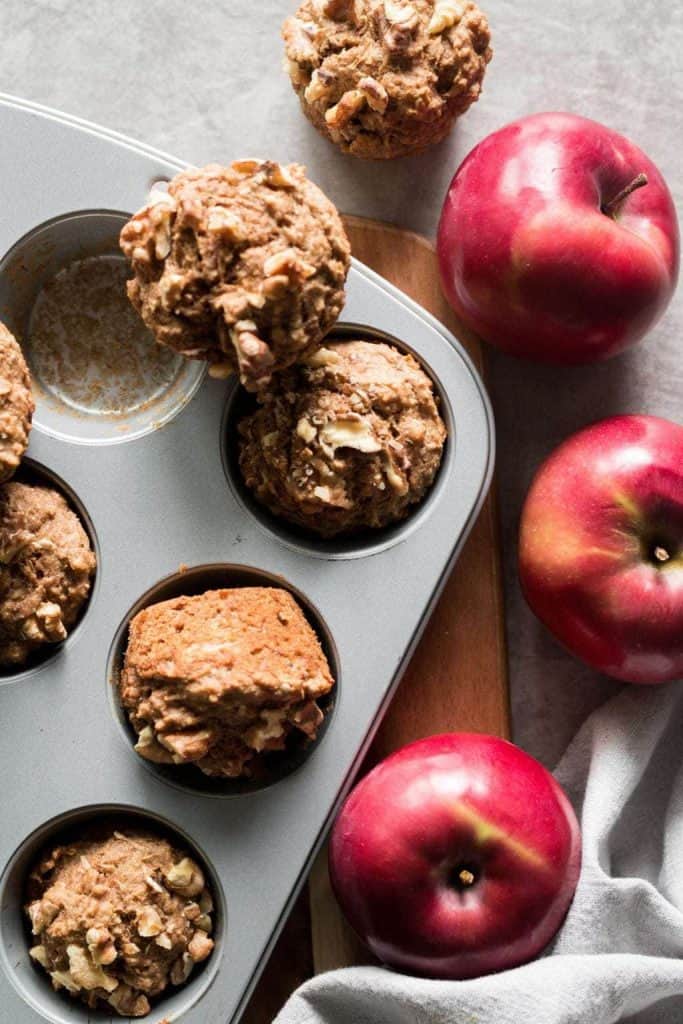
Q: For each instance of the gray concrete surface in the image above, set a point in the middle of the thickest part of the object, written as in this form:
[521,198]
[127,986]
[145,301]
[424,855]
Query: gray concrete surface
[204,81]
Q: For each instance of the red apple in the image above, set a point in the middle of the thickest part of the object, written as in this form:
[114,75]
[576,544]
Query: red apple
[601,547]
[558,240]
[455,857]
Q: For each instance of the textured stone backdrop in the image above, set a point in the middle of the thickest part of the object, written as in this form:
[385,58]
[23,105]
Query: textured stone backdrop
[204,82]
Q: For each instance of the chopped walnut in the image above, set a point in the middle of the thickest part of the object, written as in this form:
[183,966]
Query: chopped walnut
[63,979]
[319,86]
[396,480]
[171,289]
[48,616]
[338,10]
[275,287]
[308,718]
[85,973]
[101,946]
[277,176]
[400,14]
[289,264]
[149,923]
[200,946]
[323,357]
[351,102]
[160,216]
[254,357]
[182,969]
[128,1002]
[403,22]
[153,884]
[149,747]
[375,94]
[189,744]
[305,430]
[39,954]
[302,36]
[447,13]
[222,222]
[348,432]
[186,878]
[42,913]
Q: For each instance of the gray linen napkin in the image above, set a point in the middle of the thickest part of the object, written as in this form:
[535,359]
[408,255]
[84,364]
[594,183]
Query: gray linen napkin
[618,956]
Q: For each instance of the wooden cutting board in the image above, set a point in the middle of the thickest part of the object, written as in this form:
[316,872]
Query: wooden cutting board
[457,680]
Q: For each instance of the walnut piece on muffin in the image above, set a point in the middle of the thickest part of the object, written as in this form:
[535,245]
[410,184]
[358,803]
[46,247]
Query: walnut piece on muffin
[243,266]
[350,439]
[385,78]
[46,569]
[220,679]
[16,404]
[119,919]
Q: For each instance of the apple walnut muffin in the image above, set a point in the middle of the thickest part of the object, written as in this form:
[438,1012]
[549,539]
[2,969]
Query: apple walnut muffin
[118,919]
[16,404]
[243,266]
[350,439]
[222,678]
[384,78]
[46,569]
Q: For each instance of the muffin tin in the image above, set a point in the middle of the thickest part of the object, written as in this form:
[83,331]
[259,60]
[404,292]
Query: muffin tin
[160,494]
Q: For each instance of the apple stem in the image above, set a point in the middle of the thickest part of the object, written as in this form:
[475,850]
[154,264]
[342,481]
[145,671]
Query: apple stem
[612,208]
[661,554]
[466,878]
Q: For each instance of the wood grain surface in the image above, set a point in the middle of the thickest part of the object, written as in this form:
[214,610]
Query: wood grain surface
[457,679]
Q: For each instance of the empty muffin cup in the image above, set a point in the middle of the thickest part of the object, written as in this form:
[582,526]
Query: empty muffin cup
[98,375]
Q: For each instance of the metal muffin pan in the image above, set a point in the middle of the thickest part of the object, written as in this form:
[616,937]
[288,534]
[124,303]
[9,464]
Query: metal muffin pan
[168,499]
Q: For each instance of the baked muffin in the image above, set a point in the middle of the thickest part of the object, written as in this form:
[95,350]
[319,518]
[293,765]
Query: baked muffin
[16,404]
[220,679]
[385,78]
[46,570]
[119,919]
[350,439]
[243,266]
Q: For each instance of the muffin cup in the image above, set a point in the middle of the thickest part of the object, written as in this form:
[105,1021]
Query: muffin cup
[30,980]
[360,543]
[98,375]
[278,764]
